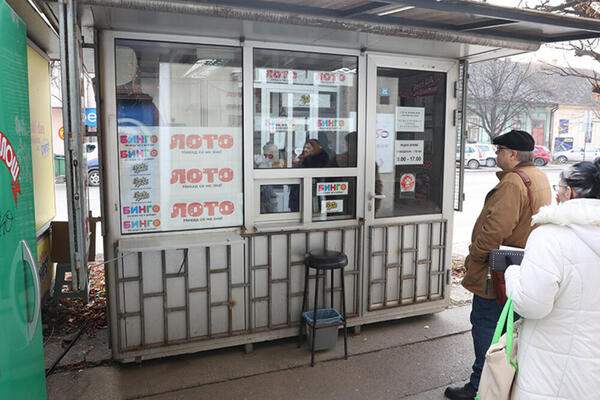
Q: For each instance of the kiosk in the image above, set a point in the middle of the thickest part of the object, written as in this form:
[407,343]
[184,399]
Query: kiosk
[239,135]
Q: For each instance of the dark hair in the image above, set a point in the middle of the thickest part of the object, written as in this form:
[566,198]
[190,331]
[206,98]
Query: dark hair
[584,178]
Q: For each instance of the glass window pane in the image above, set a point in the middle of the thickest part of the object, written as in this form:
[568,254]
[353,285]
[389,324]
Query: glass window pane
[333,198]
[179,118]
[410,161]
[305,108]
[279,199]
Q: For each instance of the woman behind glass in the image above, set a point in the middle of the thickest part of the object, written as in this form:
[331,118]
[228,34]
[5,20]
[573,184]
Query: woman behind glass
[557,292]
[313,155]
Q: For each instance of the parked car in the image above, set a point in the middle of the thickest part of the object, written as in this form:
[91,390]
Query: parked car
[488,153]
[473,157]
[93,172]
[541,156]
[577,154]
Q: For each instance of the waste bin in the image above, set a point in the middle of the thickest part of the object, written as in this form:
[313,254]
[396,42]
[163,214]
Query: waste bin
[59,165]
[328,321]
[59,168]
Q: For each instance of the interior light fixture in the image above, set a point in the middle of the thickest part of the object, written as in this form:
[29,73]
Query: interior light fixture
[395,10]
[42,15]
[201,68]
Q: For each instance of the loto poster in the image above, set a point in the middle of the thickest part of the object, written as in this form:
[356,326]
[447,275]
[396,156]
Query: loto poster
[180,178]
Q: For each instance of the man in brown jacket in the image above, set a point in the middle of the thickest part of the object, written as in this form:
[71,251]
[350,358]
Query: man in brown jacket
[504,220]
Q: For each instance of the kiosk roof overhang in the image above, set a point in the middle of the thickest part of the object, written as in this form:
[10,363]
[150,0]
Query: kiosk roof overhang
[448,28]
[40,31]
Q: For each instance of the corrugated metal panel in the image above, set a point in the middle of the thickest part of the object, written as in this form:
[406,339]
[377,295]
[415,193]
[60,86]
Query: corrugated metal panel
[442,17]
[328,4]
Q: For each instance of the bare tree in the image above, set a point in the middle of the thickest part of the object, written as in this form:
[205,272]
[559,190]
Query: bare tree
[499,91]
[55,81]
[580,48]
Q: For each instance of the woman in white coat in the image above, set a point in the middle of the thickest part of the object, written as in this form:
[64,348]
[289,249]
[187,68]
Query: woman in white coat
[557,292]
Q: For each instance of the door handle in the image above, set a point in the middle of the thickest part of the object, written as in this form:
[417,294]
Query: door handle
[376,196]
[36,288]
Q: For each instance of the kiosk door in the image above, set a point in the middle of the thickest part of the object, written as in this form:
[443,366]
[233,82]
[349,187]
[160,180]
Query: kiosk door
[406,207]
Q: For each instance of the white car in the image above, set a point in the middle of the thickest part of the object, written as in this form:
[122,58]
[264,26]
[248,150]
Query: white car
[577,154]
[488,152]
[473,157]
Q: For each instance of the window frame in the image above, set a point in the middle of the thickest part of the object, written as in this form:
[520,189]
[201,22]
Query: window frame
[253,176]
[110,131]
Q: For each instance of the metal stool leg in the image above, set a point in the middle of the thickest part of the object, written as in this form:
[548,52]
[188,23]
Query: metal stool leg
[331,293]
[344,314]
[314,326]
[303,306]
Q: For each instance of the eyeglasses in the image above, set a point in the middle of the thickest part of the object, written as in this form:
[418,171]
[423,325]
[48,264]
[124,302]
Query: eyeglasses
[557,187]
[268,156]
[498,148]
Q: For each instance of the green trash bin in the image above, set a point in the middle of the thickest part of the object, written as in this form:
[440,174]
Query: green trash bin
[59,166]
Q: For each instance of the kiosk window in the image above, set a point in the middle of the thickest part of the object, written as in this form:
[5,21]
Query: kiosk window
[305,107]
[333,198]
[275,199]
[410,141]
[179,124]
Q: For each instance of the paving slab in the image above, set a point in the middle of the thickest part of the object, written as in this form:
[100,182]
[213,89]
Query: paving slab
[88,350]
[412,338]
[406,372]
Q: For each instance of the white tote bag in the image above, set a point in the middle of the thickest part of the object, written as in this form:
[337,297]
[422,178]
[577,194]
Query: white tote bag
[500,365]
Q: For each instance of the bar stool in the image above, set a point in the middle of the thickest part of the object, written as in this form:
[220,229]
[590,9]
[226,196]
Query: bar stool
[321,261]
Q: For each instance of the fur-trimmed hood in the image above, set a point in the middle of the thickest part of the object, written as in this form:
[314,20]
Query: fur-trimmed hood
[581,215]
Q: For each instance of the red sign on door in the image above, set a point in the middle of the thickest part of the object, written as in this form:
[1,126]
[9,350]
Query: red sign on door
[407,182]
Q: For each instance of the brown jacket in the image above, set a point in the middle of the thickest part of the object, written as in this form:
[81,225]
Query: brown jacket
[504,220]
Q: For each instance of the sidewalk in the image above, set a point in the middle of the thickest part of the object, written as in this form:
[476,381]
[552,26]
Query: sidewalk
[414,358]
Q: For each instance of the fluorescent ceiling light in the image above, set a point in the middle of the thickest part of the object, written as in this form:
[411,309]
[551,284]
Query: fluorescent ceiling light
[203,67]
[395,10]
[43,16]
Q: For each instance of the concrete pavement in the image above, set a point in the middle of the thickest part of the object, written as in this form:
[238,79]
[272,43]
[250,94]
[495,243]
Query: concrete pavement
[414,358]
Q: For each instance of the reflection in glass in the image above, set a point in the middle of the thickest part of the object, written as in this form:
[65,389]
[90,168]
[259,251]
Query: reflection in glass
[279,199]
[305,106]
[410,141]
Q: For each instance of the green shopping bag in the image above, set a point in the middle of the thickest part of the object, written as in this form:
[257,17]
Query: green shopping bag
[500,365]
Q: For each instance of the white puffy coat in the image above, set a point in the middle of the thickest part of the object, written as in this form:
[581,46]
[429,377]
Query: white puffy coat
[557,290]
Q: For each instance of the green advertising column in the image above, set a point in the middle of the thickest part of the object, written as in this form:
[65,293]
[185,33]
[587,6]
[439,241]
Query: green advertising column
[21,350]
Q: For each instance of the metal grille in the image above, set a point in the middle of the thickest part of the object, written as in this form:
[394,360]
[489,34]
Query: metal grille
[277,274]
[167,297]
[406,264]
[176,296]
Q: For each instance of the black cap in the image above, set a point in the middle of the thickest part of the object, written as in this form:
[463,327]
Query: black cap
[516,140]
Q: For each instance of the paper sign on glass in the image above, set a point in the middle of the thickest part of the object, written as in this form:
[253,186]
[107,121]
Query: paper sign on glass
[409,152]
[332,206]
[384,142]
[332,188]
[410,119]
